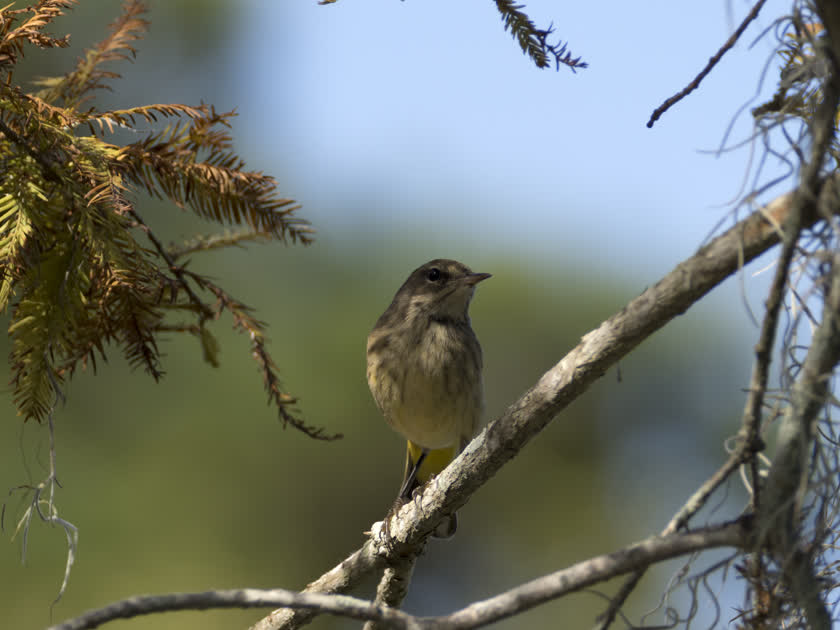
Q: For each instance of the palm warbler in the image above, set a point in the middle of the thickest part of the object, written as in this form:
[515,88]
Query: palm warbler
[424,370]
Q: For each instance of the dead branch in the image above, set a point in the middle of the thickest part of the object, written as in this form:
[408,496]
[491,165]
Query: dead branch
[598,350]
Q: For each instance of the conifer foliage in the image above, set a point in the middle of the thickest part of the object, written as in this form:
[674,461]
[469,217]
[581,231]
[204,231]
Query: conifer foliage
[79,268]
[534,41]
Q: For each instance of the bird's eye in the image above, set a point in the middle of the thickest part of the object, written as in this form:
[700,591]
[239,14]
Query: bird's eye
[433,274]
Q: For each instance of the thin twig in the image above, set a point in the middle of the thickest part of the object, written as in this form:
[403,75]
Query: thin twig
[688,89]
[247,323]
[677,522]
[175,268]
[393,586]
[750,440]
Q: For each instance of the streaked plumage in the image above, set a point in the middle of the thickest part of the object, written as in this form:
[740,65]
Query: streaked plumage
[424,367]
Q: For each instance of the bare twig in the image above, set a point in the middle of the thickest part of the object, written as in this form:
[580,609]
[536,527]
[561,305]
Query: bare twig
[695,83]
[244,321]
[217,241]
[680,520]
[511,602]
[238,598]
[595,570]
[175,268]
[393,586]
[750,441]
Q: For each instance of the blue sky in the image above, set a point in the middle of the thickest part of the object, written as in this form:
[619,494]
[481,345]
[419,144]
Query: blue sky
[424,118]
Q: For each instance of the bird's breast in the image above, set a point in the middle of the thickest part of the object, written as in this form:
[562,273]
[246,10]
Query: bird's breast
[431,390]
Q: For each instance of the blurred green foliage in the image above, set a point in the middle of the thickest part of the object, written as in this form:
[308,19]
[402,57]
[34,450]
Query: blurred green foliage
[192,484]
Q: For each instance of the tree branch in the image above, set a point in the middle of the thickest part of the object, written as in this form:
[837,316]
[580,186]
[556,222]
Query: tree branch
[713,61]
[339,579]
[236,598]
[393,586]
[583,574]
[503,438]
[596,352]
[507,604]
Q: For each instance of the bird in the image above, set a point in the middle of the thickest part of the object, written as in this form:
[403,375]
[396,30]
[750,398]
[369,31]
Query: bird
[424,370]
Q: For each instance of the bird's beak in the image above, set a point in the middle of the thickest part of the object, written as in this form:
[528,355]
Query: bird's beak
[475,278]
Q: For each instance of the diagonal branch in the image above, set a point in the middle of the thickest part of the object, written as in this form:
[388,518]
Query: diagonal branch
[567,380]
[597,351]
